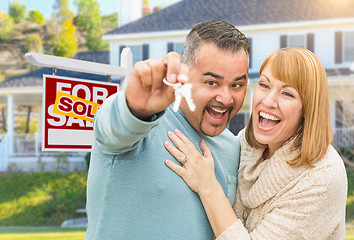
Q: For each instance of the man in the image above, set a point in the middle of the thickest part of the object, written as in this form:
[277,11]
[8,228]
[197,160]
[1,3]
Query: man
[131,194]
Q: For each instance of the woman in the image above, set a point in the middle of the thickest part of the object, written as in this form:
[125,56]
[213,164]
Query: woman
[292,182]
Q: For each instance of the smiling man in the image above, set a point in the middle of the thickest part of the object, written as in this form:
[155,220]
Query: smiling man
[130,192]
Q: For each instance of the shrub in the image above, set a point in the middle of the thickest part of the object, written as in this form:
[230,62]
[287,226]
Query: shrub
[40,199]
[36,17]
[6,27]
[33,43]
[17,11]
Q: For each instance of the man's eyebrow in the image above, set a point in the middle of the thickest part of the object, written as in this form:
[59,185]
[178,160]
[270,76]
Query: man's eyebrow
[213,75]
[217,76]
[241,77]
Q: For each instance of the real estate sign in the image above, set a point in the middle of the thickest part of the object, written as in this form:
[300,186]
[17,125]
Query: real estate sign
[69,106]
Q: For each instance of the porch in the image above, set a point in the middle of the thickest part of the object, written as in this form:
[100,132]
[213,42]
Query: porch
[27,156]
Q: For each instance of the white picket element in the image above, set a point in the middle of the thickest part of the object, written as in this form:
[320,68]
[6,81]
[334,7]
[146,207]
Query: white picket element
[76,65]
[126,61]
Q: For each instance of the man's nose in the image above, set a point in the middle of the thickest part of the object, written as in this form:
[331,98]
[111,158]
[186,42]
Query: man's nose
[225,96]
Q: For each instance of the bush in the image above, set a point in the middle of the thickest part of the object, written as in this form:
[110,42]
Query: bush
[66,46]
[6,27]
[347,152]
[33,43]
[36,17]
[17,11]
[350,199]
[40,199]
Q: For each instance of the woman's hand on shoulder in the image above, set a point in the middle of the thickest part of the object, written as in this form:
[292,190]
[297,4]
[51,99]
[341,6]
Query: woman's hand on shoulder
[197,170]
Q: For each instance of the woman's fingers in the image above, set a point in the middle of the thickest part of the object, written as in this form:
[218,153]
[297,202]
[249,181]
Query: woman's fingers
[182,137]
[206,151]
[175,152]
[177,169]
[182,142]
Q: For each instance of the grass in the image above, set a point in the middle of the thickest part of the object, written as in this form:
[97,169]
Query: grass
[41,233]
[41,199]
[350,198]
[44,233]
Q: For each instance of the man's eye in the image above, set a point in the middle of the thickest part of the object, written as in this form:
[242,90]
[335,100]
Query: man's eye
[237,85]
[211,83]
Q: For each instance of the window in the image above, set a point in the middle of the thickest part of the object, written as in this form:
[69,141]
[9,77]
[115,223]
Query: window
[348,48]
[344,114]
[177,47]
[238,122]
[297,41]
[344,124]
[139,52]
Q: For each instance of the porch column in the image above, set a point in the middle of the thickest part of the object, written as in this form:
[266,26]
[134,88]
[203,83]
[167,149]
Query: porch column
[251,99]
[39,132]
[10,124]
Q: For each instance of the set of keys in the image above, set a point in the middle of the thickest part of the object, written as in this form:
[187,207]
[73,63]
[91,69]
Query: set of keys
[182,91]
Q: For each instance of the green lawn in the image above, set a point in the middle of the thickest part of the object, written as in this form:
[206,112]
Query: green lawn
[56,233]
[41,233]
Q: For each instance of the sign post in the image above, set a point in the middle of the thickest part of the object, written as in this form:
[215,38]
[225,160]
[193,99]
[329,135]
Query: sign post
[69,106]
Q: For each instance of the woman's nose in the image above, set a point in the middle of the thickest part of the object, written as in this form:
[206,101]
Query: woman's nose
[271,99]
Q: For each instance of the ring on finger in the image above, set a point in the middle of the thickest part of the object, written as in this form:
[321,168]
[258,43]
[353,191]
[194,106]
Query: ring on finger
[185,161]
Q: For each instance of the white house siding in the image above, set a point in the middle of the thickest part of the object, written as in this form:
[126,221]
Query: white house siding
[263,44]
[114,53]
[265,40]
[325,46]
[157,46]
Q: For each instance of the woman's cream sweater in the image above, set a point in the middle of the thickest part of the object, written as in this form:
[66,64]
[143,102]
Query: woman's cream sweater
[277,201]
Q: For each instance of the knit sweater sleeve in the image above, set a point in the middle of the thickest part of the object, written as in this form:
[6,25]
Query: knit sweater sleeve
[118,131]
[312,206]
[307,213]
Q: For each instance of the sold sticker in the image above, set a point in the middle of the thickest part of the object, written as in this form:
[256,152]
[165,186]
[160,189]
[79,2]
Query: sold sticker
[75,107]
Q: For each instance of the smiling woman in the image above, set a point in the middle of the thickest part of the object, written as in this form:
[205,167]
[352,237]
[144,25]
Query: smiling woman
[292,183]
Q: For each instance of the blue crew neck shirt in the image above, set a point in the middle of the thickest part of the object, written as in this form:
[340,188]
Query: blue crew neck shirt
[132,194]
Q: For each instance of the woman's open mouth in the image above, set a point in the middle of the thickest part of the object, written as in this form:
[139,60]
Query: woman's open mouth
[267,121]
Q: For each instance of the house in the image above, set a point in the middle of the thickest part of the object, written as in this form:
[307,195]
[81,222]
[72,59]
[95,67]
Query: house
[24,154]
[325,27]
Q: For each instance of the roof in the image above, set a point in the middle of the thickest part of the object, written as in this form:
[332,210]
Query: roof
[35,78]
[183,15]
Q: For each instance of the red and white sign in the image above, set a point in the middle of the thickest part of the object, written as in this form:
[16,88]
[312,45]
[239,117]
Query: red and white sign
[69,106]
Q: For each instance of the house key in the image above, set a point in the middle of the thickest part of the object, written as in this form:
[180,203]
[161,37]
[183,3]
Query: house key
[181,90]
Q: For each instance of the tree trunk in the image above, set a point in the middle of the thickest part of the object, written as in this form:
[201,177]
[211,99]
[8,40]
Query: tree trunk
[3,119]
[28,119]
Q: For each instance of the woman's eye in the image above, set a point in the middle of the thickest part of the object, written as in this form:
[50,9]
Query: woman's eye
[288,94]
[263,85]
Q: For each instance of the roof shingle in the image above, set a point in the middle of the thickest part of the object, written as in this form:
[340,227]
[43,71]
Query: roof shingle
[35,78]
[183,15]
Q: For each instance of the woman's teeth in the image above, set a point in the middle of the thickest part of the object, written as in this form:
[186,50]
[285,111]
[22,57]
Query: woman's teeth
[268,116]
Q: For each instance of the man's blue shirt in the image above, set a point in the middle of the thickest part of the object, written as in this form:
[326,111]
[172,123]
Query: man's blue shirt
[132,194]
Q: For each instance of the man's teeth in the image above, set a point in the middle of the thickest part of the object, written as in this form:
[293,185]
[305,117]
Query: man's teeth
[268,116]
[218,110]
